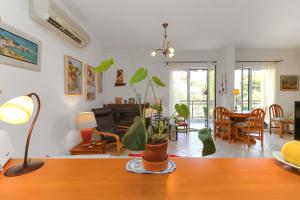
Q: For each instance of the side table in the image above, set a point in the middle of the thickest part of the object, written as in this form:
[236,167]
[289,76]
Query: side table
[96,147]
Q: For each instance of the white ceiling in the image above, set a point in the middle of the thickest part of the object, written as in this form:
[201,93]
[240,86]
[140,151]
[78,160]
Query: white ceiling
[193,24]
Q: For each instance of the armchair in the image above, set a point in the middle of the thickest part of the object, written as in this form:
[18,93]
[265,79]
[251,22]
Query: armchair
[108,129]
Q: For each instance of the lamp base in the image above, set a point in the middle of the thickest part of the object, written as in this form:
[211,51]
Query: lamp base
[20,169]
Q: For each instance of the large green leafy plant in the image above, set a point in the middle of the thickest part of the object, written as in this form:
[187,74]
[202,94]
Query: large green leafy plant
[138,135]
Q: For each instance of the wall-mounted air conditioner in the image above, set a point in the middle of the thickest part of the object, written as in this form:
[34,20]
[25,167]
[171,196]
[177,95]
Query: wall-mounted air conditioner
[50,15]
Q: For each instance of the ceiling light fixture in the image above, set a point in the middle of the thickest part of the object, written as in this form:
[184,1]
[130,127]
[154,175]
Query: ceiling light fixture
[166,50]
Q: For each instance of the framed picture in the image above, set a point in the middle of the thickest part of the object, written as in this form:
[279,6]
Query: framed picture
[99,82]
[131,100]
[289,82]
[73,76]
[125,101]
[19,49]
[89,83]
[118,100]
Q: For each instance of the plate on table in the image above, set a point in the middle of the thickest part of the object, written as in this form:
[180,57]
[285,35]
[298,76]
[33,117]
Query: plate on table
[278,156]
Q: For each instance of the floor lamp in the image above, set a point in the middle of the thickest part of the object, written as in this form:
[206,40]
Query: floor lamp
[18,111]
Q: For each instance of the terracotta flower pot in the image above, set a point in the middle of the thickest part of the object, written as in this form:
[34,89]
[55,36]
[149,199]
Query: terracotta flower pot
[155,157]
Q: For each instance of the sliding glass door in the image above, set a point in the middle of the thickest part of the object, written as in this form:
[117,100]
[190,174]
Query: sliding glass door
[198,98]
[196,88]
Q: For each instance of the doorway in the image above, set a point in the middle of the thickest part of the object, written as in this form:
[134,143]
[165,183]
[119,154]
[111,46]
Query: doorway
[196,88]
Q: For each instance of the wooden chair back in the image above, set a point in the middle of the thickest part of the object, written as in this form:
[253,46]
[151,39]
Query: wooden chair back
[256,119]
[221,116]
[275,110]
[221,121]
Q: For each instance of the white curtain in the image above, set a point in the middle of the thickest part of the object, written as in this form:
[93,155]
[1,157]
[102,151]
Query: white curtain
[268,84]
[175,74]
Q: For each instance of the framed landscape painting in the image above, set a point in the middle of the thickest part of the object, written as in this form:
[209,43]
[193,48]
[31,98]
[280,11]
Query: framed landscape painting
[73,76]
[19,49]
[289,82]
[89,83]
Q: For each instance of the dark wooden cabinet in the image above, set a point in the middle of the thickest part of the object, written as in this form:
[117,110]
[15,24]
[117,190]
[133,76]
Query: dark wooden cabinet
[124,114]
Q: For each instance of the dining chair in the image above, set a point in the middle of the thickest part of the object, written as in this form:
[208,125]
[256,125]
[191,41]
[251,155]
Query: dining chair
[252,128]
[275,117]
[181,122]
[222,123]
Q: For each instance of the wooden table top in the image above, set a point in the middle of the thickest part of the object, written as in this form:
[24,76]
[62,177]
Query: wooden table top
[242,114]
[194,178]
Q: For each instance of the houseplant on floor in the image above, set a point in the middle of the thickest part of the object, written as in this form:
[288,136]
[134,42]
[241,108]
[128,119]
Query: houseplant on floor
[152,140]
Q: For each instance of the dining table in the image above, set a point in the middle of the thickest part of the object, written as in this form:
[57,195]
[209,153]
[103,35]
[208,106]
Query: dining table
[194,178]
[240,116]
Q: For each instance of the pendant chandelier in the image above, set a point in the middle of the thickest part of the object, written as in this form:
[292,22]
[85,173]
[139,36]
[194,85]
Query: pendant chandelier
[166,49]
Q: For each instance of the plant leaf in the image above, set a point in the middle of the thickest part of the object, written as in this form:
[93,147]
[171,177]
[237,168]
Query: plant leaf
[135,137]
[156,107]
[158,82]
[182,110]
[205,137]
[105,65]
[138,76]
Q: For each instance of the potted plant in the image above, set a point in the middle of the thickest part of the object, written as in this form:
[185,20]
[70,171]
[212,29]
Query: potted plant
[152,140]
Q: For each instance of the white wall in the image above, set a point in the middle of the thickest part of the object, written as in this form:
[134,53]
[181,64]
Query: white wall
[289,66]
[227,66]
[54,133]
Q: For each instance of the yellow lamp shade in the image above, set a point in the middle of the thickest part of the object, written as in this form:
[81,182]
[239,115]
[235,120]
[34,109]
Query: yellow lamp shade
[235,92]
[17,110]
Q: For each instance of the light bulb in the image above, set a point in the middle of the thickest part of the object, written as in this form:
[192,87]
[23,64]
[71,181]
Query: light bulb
[171,55]
[153,53]
[171,50]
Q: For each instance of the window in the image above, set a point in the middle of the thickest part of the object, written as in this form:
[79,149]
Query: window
[257,86]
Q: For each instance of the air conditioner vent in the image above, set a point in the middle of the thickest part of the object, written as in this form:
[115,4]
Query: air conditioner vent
[64,30]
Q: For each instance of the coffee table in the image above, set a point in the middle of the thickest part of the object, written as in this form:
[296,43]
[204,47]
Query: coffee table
[96,147]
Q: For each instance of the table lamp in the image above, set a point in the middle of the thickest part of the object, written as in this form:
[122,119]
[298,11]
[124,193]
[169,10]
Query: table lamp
[235,92]
[18,111]
[85,122]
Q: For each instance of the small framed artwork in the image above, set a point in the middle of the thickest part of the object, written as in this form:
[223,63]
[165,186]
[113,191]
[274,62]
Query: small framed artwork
[118,100]
[289,83]
[125,101]
[73,76]
[19,49]
[99,82]
[131,100]
[89,83]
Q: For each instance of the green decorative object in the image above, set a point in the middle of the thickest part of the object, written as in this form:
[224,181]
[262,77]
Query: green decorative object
[105,65]
[182,110]
[138,76]
[158,82]
[208,144]
[135,139]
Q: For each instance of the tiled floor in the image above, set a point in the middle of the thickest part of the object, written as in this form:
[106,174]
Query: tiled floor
[190,146]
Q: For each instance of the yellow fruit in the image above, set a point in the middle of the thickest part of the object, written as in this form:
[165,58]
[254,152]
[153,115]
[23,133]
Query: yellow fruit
[291,152]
